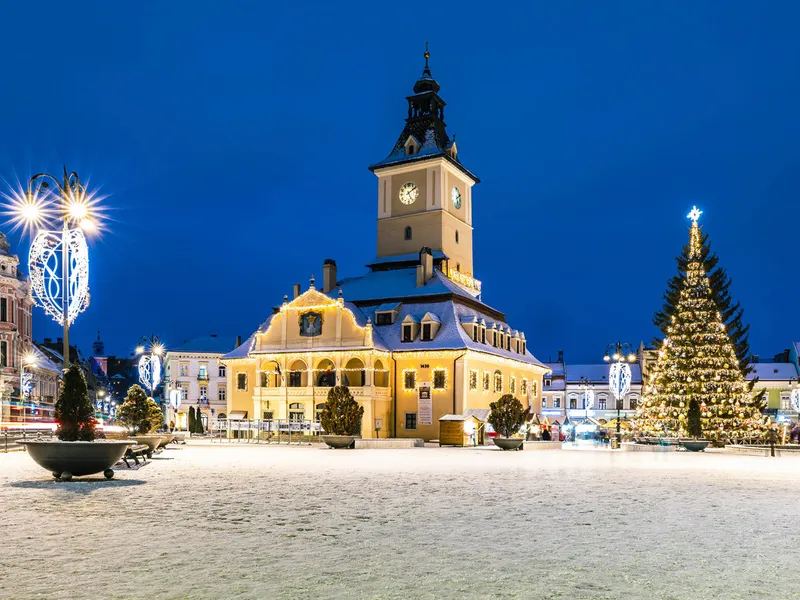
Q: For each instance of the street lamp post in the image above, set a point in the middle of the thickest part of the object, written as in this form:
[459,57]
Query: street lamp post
[28,360]
[619,354]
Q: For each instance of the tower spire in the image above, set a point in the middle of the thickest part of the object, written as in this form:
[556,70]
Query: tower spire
[427,55]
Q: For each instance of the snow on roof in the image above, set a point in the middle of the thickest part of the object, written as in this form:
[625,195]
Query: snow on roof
[773,372]
[210,344]
[482,414]
[243,350]
[43,361]
[597,373]
[557,369]
[388,306]
[396,283]
[431,317]
[413,256]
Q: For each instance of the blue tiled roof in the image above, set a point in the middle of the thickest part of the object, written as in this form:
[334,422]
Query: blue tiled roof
[773,372]
[212,344]
[397,283]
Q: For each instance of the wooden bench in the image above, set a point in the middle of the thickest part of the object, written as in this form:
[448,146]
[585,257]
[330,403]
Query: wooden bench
[135,452]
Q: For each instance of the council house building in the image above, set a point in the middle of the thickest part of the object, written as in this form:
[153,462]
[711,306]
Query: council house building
[411,338]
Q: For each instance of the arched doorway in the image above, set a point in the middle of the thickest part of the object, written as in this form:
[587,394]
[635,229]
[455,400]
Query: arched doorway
[380,376]
[354,373]
[325,373]
[298,374]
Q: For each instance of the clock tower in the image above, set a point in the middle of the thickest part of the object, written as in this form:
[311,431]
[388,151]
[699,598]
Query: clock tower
[424,192]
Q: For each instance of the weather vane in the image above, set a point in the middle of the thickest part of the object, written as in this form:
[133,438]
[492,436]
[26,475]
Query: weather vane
[694,215]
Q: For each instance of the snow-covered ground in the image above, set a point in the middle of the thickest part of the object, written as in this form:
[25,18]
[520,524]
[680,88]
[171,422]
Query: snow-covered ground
[246,522]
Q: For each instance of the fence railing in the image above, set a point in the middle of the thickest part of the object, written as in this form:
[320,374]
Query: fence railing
[9,437]
[270,431]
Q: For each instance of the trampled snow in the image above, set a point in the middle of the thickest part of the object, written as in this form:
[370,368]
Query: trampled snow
[254,521]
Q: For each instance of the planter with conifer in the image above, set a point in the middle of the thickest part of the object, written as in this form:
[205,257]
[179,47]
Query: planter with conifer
[506,417]
[340,418]
[142,416]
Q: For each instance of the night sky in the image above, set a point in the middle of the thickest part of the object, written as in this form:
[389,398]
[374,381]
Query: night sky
[233,139]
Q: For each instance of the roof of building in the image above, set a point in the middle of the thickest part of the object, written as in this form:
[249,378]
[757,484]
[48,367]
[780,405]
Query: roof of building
[412,257]
[556,369]
[597,373]
[43,361]
[209,344]
[773,371]
[396,283]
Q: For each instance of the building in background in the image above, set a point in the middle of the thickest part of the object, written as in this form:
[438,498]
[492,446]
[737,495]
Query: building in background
[776,380]
[15,333]
[194,376]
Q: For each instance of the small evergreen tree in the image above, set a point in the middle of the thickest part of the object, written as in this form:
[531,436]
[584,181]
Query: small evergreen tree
[507,415]
[191,420]
[139,412]
[198,422]
[341,415]
[74,410]
[693,425]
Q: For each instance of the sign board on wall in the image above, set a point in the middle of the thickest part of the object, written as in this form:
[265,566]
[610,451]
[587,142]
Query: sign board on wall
[424,404]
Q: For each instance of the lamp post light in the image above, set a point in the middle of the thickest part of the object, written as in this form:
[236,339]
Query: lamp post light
[619,354]
[26,381]
[151,350]
[58,258]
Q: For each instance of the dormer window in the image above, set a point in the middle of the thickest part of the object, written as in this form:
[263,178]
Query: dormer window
[410,329]
[412,146]
[474,333]
[386,314]
[383,318]
[430,326]
[408,333]
[547,381]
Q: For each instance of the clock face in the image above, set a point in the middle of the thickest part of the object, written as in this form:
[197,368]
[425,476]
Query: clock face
[456,195]
[409,193]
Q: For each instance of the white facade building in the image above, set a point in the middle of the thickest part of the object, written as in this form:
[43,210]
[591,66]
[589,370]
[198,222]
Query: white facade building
[194,375]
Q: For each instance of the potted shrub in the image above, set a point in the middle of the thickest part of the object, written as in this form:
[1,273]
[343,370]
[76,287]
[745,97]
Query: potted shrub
[694,428]
[76,452]
[142,416]
[340,418]
[506,417]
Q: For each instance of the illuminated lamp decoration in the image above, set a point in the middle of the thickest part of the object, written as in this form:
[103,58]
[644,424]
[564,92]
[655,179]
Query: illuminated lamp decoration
[45,260]
[619,379]
[150,371]
[588,399]
[27,384]
[795,399]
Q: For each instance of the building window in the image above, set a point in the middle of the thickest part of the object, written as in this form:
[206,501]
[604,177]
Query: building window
[4,354]
[241,381]
[498,382]
[458,267]
[3,309]
[547,381]
[221,371]
[632,402]
[409,380]
[295,379]
[184,391]
[544,402]
[486,381]
[221,394]
[483,335]
[203,392]
[456,236]
[296,411]
[573,403]
[474,333]
[383,318]
[512,385]
[407,234]
[556,401]
[523,387]
[439,379]
[473,380]
[601,403]
[411,420]
[523,348]
[267,415]
[494,339]
[786,400]
[408,335]
[508,342]
[426,332]
[184,369]
[202,372]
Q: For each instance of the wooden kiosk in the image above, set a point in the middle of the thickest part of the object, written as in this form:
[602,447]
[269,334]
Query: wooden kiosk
[468,429]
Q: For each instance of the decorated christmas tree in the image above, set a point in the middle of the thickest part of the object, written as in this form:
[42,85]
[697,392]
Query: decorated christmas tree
[697,361]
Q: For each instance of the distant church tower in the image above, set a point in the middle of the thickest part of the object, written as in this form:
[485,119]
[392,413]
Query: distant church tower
[424,192]
[98,347]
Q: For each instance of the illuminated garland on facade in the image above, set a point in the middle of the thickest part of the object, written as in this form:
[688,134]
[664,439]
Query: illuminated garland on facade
[697,361]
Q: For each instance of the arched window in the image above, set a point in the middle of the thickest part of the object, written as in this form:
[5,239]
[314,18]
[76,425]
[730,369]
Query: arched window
[325,373]
[408,233]
[380,377]
[573,402]
[632,402]
[222,416]
[296,411]
[354,373]
[320,406]
[298,375]
[456,236]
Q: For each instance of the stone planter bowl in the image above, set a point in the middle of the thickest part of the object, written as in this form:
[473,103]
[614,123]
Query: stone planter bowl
[151,441]
[695,445]
[67,459]
[165,439]
[509,443]
[339,441]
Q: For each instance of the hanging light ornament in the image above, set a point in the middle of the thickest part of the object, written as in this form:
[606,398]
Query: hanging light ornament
[150,371]
[619,379]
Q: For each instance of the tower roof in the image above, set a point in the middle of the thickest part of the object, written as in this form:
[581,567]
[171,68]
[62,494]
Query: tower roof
[425,124]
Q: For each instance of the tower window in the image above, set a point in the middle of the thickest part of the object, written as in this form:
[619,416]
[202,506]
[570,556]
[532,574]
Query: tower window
[458,267]
[408,233]
[456,237]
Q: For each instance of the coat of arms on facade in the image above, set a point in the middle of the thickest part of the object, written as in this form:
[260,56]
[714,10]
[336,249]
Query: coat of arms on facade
[310,324]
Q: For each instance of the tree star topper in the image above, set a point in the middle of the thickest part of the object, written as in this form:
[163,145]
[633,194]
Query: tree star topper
[694,215]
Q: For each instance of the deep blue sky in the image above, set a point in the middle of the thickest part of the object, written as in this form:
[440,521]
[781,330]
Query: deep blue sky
[234,138]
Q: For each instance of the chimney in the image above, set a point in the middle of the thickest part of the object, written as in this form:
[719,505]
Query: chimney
[754,358]
[560,356]
[295,290]
[426,260]
[420,275]
[328,275]
[238,341]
